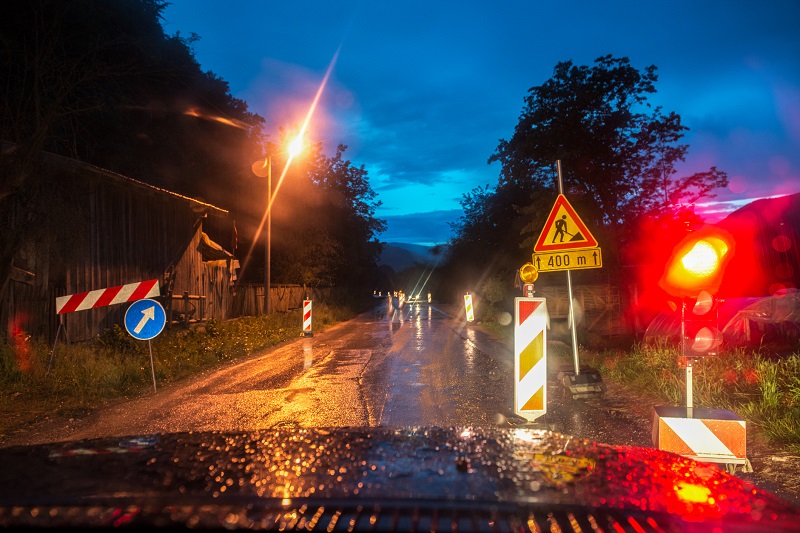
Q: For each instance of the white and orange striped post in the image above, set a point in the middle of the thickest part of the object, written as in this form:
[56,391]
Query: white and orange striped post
[530,357]
[307,319]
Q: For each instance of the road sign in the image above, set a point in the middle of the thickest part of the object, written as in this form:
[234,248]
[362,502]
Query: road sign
[145,319]
[568,260]
[564,230]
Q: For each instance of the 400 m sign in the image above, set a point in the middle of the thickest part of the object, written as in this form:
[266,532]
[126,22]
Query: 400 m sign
[568,260]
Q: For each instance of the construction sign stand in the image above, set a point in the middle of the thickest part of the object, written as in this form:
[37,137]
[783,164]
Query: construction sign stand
[564,244]
[82,301]
[306,319]
[707,435]
[530,357]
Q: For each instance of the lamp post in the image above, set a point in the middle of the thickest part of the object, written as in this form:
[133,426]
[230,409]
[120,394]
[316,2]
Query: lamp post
[268,239]
[294,149]
[263,169]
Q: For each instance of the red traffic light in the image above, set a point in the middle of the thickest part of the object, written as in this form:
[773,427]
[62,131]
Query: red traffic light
[698,263]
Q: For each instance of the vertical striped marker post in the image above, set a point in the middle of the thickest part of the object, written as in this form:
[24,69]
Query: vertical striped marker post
[468,307]
[530,357]
[307,319]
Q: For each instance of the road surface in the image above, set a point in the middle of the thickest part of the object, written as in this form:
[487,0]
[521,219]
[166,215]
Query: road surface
[423,367]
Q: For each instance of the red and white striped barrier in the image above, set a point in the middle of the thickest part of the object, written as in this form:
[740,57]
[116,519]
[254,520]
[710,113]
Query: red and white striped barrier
[530,358]
[110,296]
[714,435]
[306,317]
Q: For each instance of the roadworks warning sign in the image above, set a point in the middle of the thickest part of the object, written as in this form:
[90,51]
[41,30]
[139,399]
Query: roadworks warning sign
[564,230]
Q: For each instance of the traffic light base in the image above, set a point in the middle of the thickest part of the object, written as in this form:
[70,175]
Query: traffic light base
[587,384]
[706,435]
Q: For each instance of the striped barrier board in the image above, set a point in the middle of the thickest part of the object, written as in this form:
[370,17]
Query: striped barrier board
[468,307]
[306,317]
[713,435]
[530,357]
[130,292]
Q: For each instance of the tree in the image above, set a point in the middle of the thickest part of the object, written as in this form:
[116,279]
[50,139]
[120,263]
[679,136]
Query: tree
[618,156]
[325,223]
[101,82]
[613,146]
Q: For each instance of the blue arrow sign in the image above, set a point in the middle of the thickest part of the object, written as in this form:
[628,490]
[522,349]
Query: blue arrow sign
[145,319]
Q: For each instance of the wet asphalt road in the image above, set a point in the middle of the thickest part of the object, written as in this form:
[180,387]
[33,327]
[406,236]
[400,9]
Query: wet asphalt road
[424,366]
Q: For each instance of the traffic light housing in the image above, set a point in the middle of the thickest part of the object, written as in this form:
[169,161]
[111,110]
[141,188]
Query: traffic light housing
[694,274]
[700,325]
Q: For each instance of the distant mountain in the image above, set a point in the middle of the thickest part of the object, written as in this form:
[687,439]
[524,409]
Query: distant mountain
[400,255]
[767,235]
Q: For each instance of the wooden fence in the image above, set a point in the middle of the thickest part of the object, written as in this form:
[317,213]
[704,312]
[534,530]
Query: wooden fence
[248,299]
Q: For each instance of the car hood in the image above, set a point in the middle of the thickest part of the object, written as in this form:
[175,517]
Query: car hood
[288,478]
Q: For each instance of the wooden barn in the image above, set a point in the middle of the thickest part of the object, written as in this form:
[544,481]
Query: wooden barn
[103,230]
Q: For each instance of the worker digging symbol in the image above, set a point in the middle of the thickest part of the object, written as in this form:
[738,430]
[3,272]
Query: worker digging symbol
[561,229]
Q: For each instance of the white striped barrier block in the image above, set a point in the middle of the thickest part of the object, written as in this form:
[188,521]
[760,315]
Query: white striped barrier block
[130,292]
[307,317]
[530,357]
[468,307]
[711,435]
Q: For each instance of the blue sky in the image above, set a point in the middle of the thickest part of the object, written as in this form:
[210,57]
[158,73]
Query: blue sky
[421,92]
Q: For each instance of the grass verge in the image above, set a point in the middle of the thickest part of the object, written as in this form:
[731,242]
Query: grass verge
[114,365]
[762,388]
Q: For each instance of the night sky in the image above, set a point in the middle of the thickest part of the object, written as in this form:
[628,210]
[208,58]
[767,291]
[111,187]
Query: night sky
[421,92]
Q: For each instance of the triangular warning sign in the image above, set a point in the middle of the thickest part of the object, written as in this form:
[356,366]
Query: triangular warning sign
[564,230]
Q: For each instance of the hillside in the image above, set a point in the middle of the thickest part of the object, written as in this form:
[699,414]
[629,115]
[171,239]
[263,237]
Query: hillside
[400,256]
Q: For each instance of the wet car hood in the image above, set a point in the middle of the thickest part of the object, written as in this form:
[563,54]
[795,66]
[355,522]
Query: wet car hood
[376,478]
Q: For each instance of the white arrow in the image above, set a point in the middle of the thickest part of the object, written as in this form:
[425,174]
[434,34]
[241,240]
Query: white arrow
[147,314]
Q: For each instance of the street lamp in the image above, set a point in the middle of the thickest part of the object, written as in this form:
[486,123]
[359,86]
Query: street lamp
[264,169]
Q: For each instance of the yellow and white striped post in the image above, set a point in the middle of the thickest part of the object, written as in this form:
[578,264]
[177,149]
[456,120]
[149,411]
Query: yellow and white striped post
[530,357]
[468,307]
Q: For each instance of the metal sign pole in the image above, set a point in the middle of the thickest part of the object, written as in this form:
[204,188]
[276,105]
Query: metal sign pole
[573,329]
[58,331]
[152,366]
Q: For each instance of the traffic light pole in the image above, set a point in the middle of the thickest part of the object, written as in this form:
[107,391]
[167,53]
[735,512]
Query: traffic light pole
[689,386]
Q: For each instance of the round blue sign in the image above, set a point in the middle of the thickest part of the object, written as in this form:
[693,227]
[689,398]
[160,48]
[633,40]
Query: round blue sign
[145,319]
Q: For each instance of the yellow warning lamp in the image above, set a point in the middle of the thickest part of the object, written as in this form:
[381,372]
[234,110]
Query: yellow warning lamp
[528,273]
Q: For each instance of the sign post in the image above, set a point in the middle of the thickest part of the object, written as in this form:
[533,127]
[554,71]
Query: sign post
[144,320]
[565,243]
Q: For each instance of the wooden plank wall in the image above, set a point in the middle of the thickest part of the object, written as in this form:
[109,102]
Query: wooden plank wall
[120,232]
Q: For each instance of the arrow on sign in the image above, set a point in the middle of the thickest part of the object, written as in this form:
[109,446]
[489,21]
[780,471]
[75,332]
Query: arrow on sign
[147,314]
